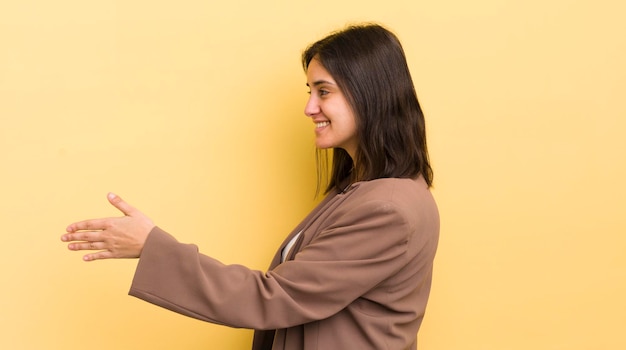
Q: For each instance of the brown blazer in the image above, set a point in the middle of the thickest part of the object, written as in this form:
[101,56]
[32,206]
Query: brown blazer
[357,278]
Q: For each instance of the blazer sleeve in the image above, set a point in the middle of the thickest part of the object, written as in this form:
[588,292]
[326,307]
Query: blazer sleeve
[362,247]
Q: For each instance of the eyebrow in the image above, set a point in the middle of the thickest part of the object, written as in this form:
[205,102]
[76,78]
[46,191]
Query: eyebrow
[320,82]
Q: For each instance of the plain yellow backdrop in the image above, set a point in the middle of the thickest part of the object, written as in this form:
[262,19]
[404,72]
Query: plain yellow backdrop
[192,111]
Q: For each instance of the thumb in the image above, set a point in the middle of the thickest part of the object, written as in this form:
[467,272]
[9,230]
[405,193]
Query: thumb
[119,203]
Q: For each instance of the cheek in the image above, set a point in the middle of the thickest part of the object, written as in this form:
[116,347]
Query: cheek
[351,124]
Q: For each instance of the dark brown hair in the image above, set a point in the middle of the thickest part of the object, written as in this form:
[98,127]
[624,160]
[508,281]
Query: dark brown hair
[368,63]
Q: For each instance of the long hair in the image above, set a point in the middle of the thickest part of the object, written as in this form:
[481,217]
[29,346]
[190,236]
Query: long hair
[369,65]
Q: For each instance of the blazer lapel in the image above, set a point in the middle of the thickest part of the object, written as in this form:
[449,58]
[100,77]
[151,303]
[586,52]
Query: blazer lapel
[301,228]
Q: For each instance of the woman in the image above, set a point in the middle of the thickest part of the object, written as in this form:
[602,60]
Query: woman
[356,273]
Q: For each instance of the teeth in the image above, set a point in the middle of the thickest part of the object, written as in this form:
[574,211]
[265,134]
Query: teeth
[322,124]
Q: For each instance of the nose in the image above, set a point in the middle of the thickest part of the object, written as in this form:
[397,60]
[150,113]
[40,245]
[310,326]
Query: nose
[312,107]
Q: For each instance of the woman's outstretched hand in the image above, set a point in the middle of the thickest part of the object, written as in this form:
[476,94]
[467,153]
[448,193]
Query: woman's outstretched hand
[119,237]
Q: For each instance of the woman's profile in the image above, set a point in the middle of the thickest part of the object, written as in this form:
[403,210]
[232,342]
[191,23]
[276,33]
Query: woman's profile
[356,272]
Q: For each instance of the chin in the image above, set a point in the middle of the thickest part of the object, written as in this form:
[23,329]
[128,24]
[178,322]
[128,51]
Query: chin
[323,145]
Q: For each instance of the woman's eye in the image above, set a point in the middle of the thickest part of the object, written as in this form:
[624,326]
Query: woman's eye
[320,92]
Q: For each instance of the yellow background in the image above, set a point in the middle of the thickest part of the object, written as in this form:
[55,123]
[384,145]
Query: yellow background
[192,111]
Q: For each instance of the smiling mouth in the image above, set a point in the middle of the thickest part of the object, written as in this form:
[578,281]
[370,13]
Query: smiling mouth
[321,124]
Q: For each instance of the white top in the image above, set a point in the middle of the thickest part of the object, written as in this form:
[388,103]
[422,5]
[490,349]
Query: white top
[285,252]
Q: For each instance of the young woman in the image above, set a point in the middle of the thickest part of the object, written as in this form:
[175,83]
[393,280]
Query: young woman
[356,273]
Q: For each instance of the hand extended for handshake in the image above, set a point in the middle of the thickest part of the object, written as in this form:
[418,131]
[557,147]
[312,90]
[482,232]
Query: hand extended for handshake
[119,237]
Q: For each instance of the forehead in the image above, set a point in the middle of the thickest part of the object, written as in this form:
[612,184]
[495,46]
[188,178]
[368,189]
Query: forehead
[316,74]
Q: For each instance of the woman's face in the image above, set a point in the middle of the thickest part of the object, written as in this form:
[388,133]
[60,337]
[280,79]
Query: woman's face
[335,125]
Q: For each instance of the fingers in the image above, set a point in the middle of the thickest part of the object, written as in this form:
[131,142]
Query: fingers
[88,241]
[85,236]
[84,241]
[119,203]
[86,246]
[105,254]
[101,224]
[115,237]
[93,224]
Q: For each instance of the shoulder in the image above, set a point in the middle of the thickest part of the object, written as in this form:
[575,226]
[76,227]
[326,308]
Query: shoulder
[406,193]
[392,190]
[411,199]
